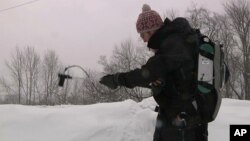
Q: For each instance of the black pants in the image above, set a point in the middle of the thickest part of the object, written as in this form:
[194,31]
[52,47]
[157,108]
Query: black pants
[166,132]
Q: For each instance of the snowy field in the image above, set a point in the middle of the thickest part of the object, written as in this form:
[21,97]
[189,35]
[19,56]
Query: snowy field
[120,121]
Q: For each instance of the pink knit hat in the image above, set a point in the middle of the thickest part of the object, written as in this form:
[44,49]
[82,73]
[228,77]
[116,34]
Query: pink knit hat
[148,20]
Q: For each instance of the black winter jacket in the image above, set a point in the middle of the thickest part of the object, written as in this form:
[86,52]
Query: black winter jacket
[172,63]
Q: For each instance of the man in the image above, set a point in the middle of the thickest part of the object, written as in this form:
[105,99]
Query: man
[170,75]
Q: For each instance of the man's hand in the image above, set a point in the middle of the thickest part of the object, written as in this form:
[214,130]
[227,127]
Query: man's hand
[110,81]
[157,86]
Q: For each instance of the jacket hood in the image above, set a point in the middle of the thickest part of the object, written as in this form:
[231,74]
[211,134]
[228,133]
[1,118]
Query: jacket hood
[178,25]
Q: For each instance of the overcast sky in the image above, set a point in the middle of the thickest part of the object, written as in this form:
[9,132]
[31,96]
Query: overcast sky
[80,31]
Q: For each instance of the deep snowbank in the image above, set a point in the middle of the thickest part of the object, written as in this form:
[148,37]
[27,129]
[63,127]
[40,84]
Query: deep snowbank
[120,121]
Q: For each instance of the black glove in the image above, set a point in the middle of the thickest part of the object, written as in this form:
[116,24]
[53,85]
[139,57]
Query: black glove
[110,81]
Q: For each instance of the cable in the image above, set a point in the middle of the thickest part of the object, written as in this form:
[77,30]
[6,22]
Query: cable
[16,6]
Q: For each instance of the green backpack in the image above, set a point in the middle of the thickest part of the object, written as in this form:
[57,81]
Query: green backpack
[211,73]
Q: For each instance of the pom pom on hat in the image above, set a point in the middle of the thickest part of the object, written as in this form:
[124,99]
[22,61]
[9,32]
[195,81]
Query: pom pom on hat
[146,7]
[148,20]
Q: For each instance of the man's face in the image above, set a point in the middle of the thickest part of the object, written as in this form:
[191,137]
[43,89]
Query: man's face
[145,36]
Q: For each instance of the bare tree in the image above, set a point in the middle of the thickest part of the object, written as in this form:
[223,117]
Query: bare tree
[75,95]
[170,14]
[16,67]
[31,71]
[9,92]
[126,57]
[196,16]
[236,82]
[92,91]
[239,14]
[225,35]
[205,20]
[24,69]
[49,79]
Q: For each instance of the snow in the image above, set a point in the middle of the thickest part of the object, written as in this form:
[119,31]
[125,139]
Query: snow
[119,121]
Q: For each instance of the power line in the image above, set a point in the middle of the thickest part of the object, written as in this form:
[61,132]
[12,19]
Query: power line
[16,6]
